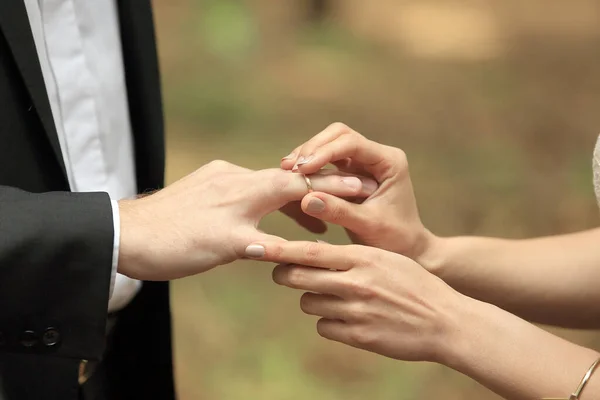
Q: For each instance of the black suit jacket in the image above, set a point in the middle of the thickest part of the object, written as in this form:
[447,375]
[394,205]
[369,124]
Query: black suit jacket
[56,246]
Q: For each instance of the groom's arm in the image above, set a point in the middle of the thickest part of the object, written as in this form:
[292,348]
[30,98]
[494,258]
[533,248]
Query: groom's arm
[56,253]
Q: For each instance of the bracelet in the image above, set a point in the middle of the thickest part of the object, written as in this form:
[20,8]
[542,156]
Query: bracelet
[577,393]
[584,381]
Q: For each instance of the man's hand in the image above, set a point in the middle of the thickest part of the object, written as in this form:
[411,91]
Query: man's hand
[210,216]
[389,218]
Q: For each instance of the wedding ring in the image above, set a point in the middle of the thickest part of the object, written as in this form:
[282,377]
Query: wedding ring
[308,183]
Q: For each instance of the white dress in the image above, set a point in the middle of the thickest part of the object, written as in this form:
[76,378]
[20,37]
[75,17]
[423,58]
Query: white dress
[597,170]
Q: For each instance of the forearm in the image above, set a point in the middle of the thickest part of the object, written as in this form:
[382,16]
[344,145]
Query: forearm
[516,359]
[55,267]
[552,280]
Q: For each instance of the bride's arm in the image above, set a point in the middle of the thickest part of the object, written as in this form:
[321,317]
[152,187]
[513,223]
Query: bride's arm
[386,303]
[552,280]
[516,359]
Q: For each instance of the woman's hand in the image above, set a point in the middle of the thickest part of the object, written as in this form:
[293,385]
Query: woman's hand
[389,218]
[386,303]
[368,298]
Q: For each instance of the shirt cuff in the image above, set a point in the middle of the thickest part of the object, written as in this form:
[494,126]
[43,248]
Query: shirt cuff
[116,243]
[122,288]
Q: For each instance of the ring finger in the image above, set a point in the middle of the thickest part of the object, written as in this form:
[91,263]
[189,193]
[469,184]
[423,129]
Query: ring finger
[327,306]
[336,183]
[310,279]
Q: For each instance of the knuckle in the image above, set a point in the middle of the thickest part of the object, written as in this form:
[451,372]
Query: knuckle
[361,289]
[312,251]
[222,184]
[373,257]
[363,336]
[296,276]
[218,164]
[357,310]
[391,229]
[338,213]
[401,159]
[356,137]
[372,223]
[361,255]
[400,154]
[280,180]
[340,127]
[274,251]
[365,292]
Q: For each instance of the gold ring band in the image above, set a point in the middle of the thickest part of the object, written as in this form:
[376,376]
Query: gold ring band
[308,183]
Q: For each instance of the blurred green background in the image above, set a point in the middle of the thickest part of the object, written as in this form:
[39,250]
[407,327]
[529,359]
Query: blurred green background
[497,104]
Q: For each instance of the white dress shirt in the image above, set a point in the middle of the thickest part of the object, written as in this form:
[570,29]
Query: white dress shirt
[79,48]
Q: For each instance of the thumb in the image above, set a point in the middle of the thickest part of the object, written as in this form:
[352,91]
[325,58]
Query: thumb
[335,210]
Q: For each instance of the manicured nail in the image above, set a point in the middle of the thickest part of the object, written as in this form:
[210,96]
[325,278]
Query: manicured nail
[369,186]
[255,251]
[289,156]
[352,182]
[315,206]
[304,160]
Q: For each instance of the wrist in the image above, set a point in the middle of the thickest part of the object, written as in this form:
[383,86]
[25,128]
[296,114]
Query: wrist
[433,253]
[130,254]
[479,336]
[458,342]
[452,319]
[506,354]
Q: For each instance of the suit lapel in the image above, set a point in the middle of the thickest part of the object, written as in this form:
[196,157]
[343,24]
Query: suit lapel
[143,89]
[14,23]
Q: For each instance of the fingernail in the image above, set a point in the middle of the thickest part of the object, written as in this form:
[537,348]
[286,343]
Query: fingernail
[353,183]
[289,156]
[304,160]
[369,186]
[255,251]
[315,206]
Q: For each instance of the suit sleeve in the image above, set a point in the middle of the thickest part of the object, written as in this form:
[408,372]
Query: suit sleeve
[56,254]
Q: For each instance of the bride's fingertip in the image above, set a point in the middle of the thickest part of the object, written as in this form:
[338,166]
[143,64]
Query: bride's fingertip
[369,186]
[305,160]
[353,183]
[310,168]
[255,251]
[289,157]
[286,164]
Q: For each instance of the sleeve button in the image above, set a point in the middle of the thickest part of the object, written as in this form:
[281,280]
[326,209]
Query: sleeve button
[28,339]
[51,337]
